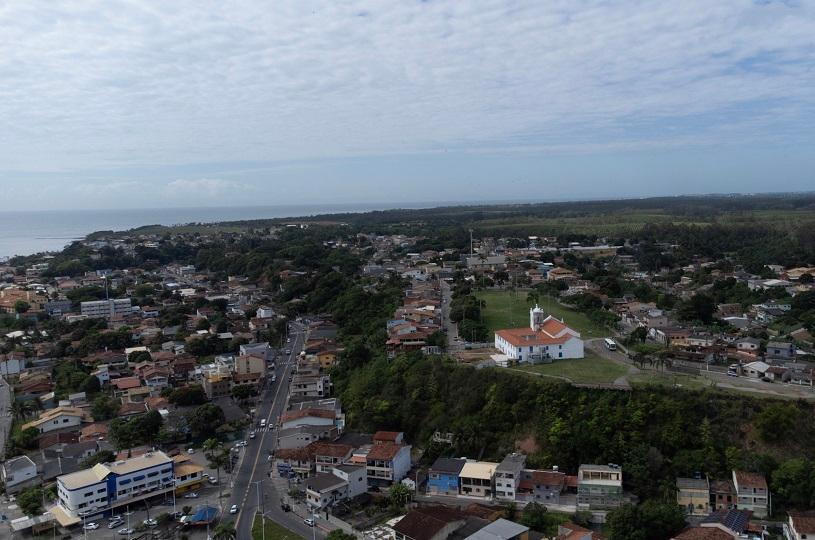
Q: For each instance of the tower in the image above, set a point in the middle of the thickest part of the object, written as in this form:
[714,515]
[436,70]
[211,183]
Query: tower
[536,318]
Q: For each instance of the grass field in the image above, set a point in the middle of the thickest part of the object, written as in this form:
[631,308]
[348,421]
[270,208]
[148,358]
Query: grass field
[511,310]
[592,369]
[273,531]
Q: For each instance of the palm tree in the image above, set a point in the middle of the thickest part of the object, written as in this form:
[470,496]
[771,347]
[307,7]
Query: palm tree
[217,456]
[225,531]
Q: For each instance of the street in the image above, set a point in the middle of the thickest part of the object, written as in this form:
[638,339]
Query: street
[252,481]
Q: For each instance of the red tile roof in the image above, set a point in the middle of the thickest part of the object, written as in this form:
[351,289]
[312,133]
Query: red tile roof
[317,413]
[386,436]
[703,533]
[126,383]
[804,522]
[749,479]
[384,451]
[331,449]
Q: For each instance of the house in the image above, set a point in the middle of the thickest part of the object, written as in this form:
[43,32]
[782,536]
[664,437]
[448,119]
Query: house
[751,492]
[501,529]
[310,386]
[429,523]
[443,476]
[301,436]
[324,490]
[693,496]
[735,522]
[329,455]
[123,384]
[476,479]
[19,473]
[748,345]
[599,486]
[387,463]
[722,495]
[307,417]
[541,486]
[780,350]
[545,338]
[571,531]
[60,418]
[355,476]
[508,476]
[755,370]
[705,533]
[800,526]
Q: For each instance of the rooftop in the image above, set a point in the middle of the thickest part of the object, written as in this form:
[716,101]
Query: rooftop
[478,469]
[501,529]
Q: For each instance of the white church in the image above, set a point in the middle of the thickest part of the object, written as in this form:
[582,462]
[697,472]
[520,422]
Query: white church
[546,338]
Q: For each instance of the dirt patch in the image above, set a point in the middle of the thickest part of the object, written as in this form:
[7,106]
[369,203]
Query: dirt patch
[475,355]
[528,445]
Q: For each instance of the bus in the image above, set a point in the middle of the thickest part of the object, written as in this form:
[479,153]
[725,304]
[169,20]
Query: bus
[610,344]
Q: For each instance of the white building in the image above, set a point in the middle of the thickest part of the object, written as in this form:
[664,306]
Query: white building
[106,487]
[106,308]
[58,419]
[476,479]
[508,476]
[12,366]
[545,338]
[18,473]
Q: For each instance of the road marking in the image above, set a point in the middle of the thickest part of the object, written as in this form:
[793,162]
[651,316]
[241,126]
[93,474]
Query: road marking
[263,438]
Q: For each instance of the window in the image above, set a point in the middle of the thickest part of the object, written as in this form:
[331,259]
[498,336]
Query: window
[101,490]
[152,474]
[124,482]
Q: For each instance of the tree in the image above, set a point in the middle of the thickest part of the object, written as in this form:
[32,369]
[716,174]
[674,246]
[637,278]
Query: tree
[188,395]
[21,306]
[534,516]
[218,457]
[30,500]
[700,307]
[793,485]
[339,534]
[90,385]
[806,278]
[105,456]
[104,408]
[649,521]
[640,334]
[225,531]
[244,391]
[27,438]
[138,357]
[776,421]
[399,495]
[205,420]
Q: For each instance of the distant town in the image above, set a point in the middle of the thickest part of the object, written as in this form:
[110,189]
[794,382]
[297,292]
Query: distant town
[332,379]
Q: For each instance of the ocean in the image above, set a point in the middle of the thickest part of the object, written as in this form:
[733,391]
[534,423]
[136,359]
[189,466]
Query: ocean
[28,232]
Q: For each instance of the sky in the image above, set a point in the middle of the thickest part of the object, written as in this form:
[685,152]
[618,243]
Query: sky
[129,104]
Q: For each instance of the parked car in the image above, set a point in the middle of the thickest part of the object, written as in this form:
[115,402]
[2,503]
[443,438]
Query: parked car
[286,507]
[92,526]
[191,495]
[252,434]
[116,517]
[213,482]
[309,522]
[115,523]
[150,522]
[190,450]
[126,530]
[234,509]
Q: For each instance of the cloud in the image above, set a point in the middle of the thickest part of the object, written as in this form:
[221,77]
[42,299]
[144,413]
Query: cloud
[205,187]
[100,87]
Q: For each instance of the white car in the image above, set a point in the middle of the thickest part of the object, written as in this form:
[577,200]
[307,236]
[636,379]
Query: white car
[309,522]
[190,450]
[234,509]
[252,434]
[115,523]
[126,530]
[91,526]
[150,522]
[191,495]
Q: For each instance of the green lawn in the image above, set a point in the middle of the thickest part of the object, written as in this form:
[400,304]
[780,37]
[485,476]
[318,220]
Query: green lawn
[592,369]
[273,531]
[511,310]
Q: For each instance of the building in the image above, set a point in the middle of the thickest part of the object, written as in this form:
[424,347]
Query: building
[355,476]
[310,386]
[599,486]
[722,495]
[324,490]
[217,385]
[693,496]
[780,350]
[443,476]
[541,486]
[501,529]
[545,339]
[477,479]
[429,523]
[19,473]
[106,487]
[188,476]
[800,526]
[329,455]
[60,418]
[751,493]
[106,308]
[387,463]
[508,476]
[248,364]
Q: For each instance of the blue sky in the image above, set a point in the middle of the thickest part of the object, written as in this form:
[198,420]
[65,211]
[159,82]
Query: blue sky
[134,104]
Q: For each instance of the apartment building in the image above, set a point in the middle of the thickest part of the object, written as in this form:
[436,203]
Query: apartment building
[105,487]
[508,476]
[476,479]
[693,496]
[599,486]
[751,493]
[106,309]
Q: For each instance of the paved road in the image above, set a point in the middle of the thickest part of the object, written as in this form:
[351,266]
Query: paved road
[5,415]
[449,327]
[255,467]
